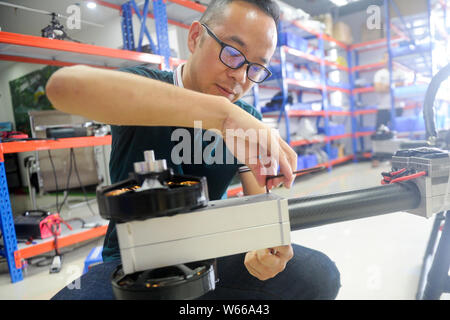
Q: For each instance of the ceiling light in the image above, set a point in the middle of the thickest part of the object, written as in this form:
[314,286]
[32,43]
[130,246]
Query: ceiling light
[91,5]
[341,3]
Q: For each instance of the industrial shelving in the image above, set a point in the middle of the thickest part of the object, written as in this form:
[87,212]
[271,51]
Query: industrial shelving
[313,57]
[15,255]
[407,38]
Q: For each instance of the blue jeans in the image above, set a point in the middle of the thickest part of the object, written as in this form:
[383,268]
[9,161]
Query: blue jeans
[309,275]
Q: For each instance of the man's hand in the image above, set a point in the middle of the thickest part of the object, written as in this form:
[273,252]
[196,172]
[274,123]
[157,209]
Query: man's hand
[267,263]
[260,148]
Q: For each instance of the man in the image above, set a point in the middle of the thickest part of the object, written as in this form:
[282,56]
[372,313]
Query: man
[230,49]
[382,88]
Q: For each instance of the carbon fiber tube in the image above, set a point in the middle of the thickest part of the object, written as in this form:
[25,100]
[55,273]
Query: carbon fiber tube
[319,210]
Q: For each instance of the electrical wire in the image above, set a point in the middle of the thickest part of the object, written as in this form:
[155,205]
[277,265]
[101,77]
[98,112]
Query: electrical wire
[410,177]
[400,175]
[54,175]
[79,181]
[67,184]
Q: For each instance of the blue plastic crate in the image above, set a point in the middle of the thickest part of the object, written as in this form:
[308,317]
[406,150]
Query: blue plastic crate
[301,106]
[334,129]
[276,71]
[300,163]
[94,257]
[293,41]
[309,161]
[333,153]
[405,124]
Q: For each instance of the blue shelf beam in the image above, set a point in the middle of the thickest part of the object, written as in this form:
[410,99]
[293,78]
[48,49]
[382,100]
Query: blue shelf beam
[162,46]
[143,18]
[162,30]
[7,226]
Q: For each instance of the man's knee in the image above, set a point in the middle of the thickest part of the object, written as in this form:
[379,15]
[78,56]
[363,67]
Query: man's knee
[328,278]
[317,275]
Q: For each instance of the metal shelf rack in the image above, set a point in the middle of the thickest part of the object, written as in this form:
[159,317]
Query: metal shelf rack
[13,254]
[316,60]
[406,38]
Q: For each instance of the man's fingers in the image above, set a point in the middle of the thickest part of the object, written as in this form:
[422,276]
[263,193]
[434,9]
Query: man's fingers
[286,170]
[267,259]
[257,269]
[285,252]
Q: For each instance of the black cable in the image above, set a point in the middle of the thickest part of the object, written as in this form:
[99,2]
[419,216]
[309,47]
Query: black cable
[54,175]
[47,260]
[79,181]
[67,184]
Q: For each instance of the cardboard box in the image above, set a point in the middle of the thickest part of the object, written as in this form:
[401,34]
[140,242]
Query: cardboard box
[342,33]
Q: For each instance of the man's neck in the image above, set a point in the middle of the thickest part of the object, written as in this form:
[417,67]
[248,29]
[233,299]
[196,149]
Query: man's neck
[186,76]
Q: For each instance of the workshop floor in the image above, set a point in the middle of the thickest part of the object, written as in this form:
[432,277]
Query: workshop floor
[378,257]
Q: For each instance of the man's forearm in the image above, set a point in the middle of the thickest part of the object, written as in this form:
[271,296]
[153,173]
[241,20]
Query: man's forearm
[126,99]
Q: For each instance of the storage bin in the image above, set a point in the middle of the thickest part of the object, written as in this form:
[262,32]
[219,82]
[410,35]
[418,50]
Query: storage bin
[293,41]
[309,161]
[276,71]
[334,151]
[334,129]
[405,124]
[300,163]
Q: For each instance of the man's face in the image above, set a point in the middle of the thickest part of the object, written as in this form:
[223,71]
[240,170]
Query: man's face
[244,27]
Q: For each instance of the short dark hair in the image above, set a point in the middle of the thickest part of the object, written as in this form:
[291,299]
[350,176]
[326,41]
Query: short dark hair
[216,8]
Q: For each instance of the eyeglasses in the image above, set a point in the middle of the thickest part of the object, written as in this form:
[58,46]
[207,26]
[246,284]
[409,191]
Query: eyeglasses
[234,59]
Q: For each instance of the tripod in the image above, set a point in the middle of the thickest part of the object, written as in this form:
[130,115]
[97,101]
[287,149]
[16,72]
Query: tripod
[434,279]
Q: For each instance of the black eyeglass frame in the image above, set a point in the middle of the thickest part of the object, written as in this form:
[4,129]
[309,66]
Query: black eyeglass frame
[223,45]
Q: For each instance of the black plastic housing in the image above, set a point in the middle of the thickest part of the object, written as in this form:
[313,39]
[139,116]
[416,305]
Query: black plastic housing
[152,203]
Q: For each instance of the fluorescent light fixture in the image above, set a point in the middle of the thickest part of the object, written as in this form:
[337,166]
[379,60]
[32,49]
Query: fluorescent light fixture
[341,3]
[91,5]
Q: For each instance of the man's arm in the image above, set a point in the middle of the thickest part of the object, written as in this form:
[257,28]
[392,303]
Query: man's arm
[264,263]
[127,99]
[121,98]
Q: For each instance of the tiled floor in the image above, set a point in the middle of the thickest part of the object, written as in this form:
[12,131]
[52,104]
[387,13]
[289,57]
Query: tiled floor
[378,257]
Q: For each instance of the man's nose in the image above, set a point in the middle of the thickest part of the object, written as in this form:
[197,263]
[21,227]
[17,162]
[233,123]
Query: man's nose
[239,75]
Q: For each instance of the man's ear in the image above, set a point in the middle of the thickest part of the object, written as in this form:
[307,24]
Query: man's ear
[194,36]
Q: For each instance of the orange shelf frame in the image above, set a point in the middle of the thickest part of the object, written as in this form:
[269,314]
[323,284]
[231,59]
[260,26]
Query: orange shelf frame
[46,49]
[63,241]
[64,143]
[369,111]
[310,113]
[321,35]
[364,134]
[324,140]
[314,85]
[363,90]
[313,58]
[189,4]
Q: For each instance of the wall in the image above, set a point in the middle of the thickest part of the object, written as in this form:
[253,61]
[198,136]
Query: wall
[8,73]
